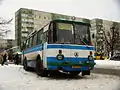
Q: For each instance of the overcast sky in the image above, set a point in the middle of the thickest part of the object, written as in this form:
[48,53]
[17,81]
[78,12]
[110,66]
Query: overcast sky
[105,9]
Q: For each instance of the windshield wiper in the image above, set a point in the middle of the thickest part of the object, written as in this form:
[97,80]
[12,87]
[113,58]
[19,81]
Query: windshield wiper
[82,41]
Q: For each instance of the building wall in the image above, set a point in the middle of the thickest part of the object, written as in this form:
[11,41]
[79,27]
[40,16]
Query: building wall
[97,30]
[18,26]
[27,23]
[41,19]
[93,31]
[97,27]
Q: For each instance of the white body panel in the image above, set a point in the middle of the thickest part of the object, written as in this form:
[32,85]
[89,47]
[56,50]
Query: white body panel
[44,56]
[33,55]
[68,52]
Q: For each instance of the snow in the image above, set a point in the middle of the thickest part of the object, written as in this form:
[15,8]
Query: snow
[107,64]
[13,77]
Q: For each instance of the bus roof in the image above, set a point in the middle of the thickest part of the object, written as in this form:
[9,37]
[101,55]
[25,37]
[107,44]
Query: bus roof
[70,21]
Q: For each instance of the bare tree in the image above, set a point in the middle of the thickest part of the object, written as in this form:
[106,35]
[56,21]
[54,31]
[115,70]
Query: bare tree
[111,38]
[3,22]
[4,26]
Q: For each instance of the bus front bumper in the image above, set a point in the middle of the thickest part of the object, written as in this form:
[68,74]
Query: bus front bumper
[70,66]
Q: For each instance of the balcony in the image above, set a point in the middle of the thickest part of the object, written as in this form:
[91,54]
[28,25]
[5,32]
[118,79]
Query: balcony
[24,31]
[24,35]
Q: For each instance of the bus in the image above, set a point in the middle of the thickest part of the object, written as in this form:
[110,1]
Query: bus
[61,45]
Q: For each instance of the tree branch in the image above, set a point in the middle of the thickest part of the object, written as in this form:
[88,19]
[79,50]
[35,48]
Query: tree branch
[5,22]
[105,38]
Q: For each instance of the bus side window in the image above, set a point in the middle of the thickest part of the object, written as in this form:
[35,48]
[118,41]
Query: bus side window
[54,32]
[50,33]
[39,39]
[23,45]
[27,44]
[34,39]
[44,37]
[33,42]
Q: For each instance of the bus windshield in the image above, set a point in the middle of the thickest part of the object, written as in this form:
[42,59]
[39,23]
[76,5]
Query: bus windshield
[64,32]
[73,33]
[82,34]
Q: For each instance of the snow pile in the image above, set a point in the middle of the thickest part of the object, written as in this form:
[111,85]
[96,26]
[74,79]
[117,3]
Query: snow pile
[13,77]
[107,64]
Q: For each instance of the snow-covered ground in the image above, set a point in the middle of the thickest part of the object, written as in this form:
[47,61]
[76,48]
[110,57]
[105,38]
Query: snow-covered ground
[13,77]
[108,64]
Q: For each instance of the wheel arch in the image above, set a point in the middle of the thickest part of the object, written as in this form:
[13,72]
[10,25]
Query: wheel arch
[38,57]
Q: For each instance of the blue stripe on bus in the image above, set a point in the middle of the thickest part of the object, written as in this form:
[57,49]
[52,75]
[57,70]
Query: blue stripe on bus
[70,47]
[71,59]
[67,68]
[33,49]
[40,47]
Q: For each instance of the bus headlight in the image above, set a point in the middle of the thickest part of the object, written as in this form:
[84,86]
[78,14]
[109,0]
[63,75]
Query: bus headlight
[60,57]
[90,58]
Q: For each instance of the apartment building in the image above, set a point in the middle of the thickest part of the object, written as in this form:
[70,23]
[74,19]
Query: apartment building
[28,20]
[97,27]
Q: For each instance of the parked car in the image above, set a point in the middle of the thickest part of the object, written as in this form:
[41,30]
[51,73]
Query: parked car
[116,57]
[99,56]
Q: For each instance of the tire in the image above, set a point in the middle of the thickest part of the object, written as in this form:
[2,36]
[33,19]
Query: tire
[54,73]
[85,73]
[40,69]
[74,73]
[26,68]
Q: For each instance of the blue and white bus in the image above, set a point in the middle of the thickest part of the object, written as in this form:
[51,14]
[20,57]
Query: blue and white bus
[61,45]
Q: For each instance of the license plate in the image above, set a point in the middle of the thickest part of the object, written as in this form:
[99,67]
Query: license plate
[76,66]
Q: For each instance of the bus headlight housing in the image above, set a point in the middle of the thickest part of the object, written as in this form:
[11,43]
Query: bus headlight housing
[90,58]
[60,57]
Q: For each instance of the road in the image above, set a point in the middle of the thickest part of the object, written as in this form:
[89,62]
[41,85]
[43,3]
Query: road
[13,77]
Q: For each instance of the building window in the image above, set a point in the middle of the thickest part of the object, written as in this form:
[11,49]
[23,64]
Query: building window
[35,16]
[24,29]
[44,17]
[39,17]
[24,34]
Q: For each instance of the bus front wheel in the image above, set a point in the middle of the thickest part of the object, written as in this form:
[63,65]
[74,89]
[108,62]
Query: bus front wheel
[39,69]
[85,73]
[73,74]
[26,68]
